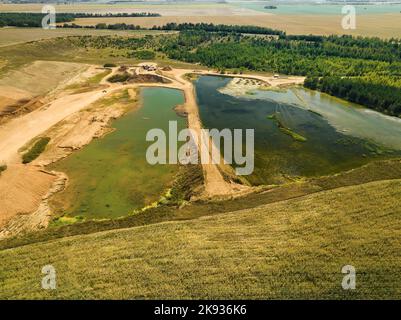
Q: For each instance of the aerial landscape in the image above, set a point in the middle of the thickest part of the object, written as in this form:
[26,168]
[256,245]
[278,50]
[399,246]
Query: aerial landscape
[200,150]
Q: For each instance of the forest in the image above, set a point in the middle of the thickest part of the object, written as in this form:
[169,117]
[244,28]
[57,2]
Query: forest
[210,27]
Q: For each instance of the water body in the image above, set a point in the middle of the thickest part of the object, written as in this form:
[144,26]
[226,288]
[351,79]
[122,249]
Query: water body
[339,136]
[111,177]
[320,9]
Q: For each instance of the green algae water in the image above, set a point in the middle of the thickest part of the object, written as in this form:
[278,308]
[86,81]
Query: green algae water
[111,177]
[298,132]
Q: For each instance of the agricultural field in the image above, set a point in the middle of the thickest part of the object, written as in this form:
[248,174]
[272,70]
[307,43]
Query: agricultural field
[284,250]
[85,190]
[297,20]
[292,24]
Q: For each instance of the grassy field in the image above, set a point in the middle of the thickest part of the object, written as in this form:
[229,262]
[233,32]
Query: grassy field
[290,249]
[165,9]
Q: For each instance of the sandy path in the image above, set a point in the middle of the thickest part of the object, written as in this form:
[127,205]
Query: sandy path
[214,181]
[215,184]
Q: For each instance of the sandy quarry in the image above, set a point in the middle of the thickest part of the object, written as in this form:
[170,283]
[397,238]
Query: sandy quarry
[72,121]
[32,85]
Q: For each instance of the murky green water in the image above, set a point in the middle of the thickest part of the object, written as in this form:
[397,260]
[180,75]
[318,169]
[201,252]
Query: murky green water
[110,177]
[339,136]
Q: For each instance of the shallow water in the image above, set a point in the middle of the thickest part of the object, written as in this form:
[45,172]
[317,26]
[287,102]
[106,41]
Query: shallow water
[348,118]
[111,177]
[339,136]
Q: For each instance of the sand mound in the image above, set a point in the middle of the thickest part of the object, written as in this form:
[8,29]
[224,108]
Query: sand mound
[21,190]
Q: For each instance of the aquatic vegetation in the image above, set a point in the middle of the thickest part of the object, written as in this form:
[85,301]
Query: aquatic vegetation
[315,112]
[284,129]
[293,134]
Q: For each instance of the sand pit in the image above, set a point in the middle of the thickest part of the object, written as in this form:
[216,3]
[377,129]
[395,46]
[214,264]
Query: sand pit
[72,121]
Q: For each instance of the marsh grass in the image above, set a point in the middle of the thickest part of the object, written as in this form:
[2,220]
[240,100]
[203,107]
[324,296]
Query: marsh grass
[286,130]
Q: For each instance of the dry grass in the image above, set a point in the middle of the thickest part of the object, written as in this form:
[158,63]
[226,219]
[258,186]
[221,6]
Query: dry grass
[290,249]
[383,25]
[40,77]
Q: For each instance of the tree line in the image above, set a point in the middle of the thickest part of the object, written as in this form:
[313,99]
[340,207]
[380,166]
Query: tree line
[378,96]
[210,27]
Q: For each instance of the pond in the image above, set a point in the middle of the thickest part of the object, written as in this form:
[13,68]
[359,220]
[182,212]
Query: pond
[299,132]
[111,177]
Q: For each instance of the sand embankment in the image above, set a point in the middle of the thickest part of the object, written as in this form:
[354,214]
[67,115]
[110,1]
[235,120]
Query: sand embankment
[21,191]
[71,123]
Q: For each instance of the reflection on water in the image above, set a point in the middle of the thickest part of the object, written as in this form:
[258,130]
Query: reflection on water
[339,137]
[345,117]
